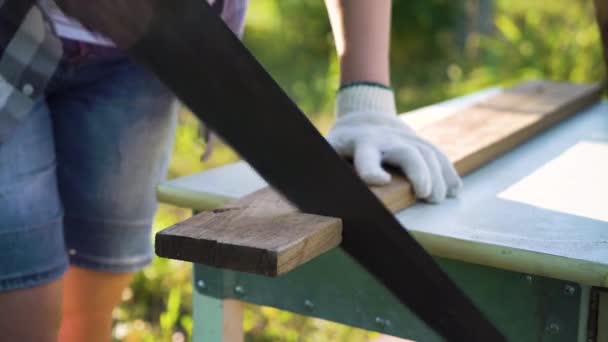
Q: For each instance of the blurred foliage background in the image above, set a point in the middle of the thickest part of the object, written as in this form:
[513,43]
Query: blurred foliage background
[440,49]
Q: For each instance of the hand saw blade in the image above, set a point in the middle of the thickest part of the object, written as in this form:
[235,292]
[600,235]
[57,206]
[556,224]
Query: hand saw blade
[193,52]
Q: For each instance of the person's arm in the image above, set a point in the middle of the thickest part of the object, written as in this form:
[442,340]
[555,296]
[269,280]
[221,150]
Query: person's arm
[367,127]
[362,32]
[113,18]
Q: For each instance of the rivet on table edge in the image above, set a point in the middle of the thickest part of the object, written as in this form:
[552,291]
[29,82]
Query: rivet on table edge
[569,289]
[239,290]
[552,328]
[201,284]
[385,323]
[309,304]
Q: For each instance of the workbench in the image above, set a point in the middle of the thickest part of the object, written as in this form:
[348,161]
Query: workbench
[527,240]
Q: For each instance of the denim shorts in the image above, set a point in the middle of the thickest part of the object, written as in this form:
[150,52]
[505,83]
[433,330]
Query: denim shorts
[78,176]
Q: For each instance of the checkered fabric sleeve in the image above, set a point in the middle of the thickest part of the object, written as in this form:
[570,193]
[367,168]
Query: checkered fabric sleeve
[29,55]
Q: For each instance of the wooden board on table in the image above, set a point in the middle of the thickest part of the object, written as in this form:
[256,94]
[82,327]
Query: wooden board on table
[263,234]
[260,233]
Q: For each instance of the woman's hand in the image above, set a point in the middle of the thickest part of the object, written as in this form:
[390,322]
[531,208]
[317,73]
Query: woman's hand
[368,130]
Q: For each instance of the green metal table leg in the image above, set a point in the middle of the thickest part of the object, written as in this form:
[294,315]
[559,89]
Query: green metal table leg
[602,317]
[208,316]
[583,314]
[216,319]
[207,313]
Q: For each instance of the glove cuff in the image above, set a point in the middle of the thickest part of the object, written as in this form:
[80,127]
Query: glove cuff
[365,97]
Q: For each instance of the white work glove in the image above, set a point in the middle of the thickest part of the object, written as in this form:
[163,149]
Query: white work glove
[368,130]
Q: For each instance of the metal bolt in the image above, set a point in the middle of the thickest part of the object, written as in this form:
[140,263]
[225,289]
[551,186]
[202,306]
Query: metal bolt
[239,290]
[569,289]
[201,284]
[552,328]
[381,321]
[309,304]
[528,277]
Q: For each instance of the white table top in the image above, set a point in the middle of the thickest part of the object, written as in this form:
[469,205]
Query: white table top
[540,209]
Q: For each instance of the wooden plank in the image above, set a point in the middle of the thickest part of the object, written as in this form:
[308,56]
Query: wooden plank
[480,133]
[260,233]
[263,234]
[233,321]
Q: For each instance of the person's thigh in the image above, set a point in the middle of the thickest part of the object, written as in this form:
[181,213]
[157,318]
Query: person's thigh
[114,125]
[32,248]
[32,252]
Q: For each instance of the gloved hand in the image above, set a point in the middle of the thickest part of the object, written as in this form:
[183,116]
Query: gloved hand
[368,130]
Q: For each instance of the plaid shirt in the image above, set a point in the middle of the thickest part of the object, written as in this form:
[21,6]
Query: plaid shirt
[30,52]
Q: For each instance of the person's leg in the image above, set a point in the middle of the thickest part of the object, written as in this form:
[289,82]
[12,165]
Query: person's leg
[89,299]
[32,251]
[32,314]
[113,126]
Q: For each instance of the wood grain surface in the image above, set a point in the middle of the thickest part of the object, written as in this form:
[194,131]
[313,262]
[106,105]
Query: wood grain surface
[261,233]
